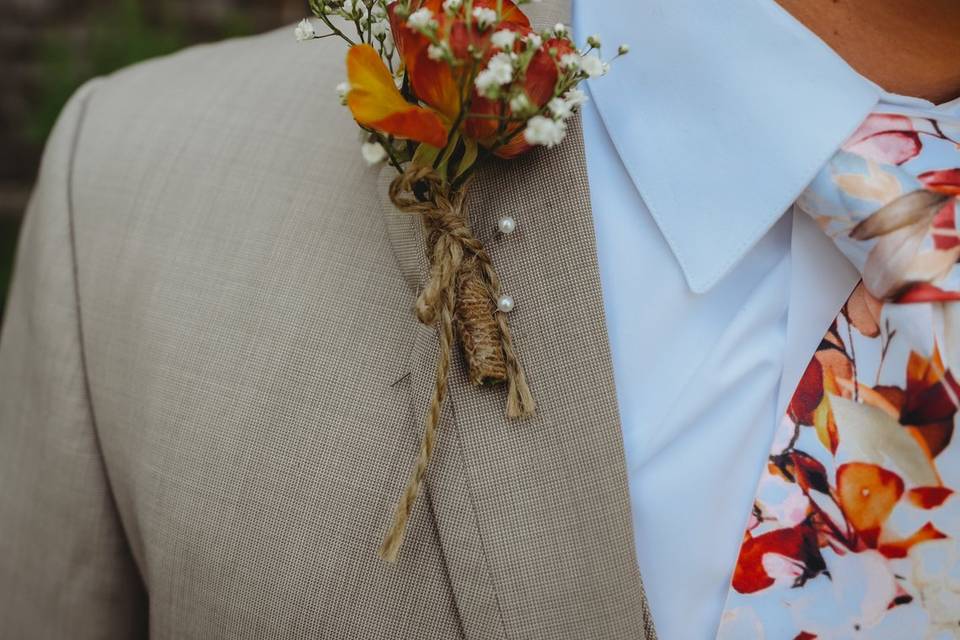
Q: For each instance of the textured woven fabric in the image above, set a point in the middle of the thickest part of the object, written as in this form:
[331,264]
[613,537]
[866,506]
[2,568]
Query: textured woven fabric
[213,383]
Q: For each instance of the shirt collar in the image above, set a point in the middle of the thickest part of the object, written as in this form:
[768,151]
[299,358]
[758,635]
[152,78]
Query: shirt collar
[722,113]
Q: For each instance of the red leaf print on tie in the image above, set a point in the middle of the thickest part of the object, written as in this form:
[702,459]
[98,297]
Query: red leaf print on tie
[943,181]
[899,548]
[930,392]
[945,226]
[928,497]
[886,138]
[797,545]
[808,394]
[922,292]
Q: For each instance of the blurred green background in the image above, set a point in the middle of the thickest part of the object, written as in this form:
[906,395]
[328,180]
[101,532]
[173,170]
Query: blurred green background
[48,48]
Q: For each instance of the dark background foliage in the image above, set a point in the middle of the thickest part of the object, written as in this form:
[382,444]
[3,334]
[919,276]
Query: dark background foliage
[48,48]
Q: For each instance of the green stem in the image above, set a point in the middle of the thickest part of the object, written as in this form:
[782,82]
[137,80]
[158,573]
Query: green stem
[326,21]
[385,143]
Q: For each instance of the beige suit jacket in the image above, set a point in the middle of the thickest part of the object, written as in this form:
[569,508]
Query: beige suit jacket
[212,383]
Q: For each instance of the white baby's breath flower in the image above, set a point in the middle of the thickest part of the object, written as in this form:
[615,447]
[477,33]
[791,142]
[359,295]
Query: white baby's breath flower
[560,108]
[503,39]
[570,61]
[373,152]
[342,90]
[545,131]
[485,82]
[560,29]
[421,19]
[594,41]
[520,103]
[593,66]
[623,49]
[499,72]
[436,52]
[485,17]
[304,30]
[378,11]
[355,8]
[535,41]
[502,67]
[575,98]
[452,6]
[379,29]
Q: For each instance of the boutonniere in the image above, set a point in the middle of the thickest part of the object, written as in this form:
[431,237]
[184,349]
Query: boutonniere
[438,87]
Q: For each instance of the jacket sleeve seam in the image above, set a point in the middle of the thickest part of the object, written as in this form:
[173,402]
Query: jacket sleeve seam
[82,107]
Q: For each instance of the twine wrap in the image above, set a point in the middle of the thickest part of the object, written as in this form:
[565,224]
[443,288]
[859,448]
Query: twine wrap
[461,293]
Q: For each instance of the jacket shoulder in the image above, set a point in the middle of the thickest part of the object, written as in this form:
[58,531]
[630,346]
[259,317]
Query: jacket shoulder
[264,94]
[262,71]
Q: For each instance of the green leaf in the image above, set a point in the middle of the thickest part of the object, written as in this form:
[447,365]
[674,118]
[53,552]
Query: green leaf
[469,158]
[425,155]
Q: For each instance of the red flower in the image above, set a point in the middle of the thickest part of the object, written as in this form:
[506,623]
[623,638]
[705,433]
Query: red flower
[438,84]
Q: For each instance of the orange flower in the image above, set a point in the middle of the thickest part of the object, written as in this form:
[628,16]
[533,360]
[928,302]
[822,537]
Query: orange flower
[432,81]
[437,84]
[376,102]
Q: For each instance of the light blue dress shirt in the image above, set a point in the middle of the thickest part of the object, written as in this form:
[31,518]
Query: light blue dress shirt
[715,294]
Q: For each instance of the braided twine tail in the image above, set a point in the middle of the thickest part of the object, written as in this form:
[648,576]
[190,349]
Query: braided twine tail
[460,292]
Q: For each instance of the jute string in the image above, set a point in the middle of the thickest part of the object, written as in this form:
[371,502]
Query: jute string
[461,293]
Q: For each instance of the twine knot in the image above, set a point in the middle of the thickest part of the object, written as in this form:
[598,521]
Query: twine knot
[460,299]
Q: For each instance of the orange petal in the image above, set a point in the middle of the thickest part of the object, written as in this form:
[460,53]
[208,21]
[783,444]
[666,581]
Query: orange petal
[433,82]
[542,73]
[517,145]
[375,101]
[867,494]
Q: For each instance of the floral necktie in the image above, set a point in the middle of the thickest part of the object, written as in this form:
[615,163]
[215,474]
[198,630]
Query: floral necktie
[855,526]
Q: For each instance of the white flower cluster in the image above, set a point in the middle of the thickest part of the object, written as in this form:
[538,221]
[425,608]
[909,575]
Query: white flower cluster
[368,18]
[485,17]
[355,9]
[503,39]
[498,72]
[373,152]
[342,90]
[304,31]
[590,64]
[422,20]
[550,131]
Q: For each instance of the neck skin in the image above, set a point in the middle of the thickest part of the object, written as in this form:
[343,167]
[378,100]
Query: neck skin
[909,47]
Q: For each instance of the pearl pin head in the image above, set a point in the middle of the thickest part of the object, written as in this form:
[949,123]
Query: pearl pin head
[505,304]
[506,225]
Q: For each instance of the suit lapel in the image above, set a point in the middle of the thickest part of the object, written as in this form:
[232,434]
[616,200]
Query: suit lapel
[534,515]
